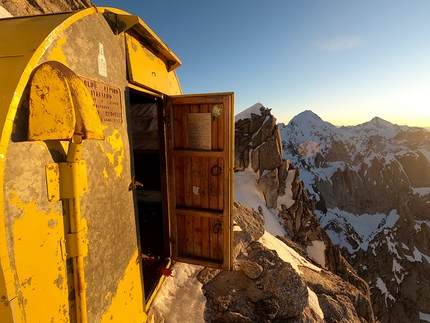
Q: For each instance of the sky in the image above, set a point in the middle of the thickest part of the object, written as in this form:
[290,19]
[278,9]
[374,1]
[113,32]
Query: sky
[347,61]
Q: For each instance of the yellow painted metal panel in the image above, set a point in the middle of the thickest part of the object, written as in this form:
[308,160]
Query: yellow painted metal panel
[113,148]
[17,61]
[41,270]
[148,70]
[174,85]
[127,305]
[146,91]
[16,55]
[125,21]
[5,313]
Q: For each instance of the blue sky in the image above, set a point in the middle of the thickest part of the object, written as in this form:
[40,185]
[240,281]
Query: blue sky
[347,61]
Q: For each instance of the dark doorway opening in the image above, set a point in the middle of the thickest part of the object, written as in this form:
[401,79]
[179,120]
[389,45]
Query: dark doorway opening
[149,171]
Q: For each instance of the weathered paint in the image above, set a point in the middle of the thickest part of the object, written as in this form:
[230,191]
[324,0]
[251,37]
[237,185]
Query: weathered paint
[17,63]
[106,176]
[55,85]
[155,70]
[128,295]
[114,152]
[40,268]
[57,52]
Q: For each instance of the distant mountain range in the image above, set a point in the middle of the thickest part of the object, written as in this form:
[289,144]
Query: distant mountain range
[371,187]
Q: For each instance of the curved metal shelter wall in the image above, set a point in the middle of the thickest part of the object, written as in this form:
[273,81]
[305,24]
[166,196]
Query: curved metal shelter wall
[34,269]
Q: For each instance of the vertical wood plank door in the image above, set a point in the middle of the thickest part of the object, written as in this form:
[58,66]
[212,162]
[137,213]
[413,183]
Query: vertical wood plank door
[199,148]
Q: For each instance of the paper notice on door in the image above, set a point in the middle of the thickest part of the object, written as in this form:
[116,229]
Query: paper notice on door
[196,190]
[199,131]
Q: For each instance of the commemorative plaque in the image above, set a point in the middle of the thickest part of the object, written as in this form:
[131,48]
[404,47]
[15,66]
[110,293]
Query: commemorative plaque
[107,100]
[199,131]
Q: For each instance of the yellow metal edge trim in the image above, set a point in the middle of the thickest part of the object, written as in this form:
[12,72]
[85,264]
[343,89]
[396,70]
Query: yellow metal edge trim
[4,141]
[144,90]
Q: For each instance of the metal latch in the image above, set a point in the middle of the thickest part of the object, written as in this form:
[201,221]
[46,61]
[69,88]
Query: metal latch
[134,184]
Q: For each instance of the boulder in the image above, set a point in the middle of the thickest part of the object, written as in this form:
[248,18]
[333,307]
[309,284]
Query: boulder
[273,292]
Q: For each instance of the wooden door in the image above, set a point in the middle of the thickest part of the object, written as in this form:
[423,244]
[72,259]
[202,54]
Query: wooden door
[199,146]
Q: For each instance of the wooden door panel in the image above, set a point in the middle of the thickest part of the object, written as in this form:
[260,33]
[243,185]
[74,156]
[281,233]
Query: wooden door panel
[196,187]
[199,137]
[200,237]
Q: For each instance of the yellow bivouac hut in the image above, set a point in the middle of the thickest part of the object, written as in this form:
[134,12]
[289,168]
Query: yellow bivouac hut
[108,173]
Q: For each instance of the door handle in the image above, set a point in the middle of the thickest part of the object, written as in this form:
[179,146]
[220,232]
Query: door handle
[217,170]
[216,228]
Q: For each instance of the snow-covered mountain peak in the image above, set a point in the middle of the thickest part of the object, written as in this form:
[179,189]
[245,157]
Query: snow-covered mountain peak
[308,115]
[311,134]
[376,126]
[310,120]
[245,114]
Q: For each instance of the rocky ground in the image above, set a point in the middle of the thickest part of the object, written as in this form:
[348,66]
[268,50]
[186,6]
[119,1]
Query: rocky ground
[265,288]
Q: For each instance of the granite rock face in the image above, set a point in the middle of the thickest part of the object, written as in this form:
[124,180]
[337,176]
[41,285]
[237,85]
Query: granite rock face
[35,7]
[259,137]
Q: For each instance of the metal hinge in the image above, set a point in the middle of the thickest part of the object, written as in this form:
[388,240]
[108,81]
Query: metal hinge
[59,180]
[75,244]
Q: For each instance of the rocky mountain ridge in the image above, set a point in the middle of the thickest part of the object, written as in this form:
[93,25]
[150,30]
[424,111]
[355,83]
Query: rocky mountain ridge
[371,187]
[258,150]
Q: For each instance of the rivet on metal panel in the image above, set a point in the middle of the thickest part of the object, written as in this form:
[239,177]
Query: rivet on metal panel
[53,182]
